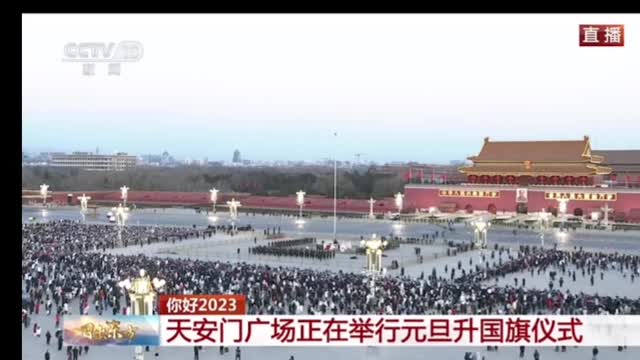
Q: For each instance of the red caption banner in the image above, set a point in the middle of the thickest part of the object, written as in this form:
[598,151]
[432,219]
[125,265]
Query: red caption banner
[203,305]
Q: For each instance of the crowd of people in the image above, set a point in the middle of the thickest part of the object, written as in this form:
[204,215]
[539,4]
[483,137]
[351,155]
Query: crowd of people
[70,236]
[61,276]
[63,264]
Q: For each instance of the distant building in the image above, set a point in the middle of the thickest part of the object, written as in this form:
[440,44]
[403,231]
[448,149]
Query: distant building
[94,162]
[151,160]
[47,156]
[236,156]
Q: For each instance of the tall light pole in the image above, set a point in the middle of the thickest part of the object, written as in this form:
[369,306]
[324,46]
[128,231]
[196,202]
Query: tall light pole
[543,218]
[480,228]
[562,209]
[122,213]
[606,209]
[124,193]
[233,210]
[142,292]
[300,201]
[335,193]
[399,197]
[84,200]
[371,202]
[44,190]
[214,200]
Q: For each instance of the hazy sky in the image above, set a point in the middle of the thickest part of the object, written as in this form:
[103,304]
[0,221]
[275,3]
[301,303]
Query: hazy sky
[395,87]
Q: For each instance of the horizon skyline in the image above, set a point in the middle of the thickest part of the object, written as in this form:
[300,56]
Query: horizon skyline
[199,158]
[423,88]
[313,161]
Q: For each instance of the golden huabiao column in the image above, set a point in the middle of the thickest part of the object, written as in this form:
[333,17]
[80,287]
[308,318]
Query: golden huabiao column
[374,253]
[142,292]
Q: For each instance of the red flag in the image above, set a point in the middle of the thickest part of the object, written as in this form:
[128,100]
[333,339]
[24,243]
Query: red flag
[421,175]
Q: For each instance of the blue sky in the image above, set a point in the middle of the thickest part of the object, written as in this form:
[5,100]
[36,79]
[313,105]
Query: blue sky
[424,88]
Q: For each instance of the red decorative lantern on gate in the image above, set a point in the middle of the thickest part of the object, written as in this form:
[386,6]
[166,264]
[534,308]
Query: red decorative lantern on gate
[473,179]
[569,180]
[583,180]
[498,179]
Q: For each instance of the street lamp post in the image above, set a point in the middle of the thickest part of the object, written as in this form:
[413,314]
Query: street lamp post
[142,293]
[562,210]
[84,201]
[543,218]
[44,190]
[399,197]
[606,209]
[300,201]
[371,202]
[480,228]
[124,193]
[214,198]
[122,213]
[233,210]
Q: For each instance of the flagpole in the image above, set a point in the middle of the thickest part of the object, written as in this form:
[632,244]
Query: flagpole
[335,192]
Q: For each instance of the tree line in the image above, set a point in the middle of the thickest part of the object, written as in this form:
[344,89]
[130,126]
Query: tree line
[358,184]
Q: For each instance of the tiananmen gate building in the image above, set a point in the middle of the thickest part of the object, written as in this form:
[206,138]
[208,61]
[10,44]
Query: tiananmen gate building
[528,176]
